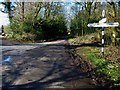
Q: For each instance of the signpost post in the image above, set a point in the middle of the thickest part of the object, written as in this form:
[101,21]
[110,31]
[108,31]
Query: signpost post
[103,15]
[102,23]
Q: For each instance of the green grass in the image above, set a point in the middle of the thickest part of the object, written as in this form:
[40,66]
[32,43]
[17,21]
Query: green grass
[104,66]
[108,65]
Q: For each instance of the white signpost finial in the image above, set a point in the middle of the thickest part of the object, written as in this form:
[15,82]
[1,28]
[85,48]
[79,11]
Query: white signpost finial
[103,13]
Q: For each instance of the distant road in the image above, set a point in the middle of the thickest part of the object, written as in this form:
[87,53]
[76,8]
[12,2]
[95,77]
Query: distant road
[11,45]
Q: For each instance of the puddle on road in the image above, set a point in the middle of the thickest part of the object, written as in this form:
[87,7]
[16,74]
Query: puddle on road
[6,59]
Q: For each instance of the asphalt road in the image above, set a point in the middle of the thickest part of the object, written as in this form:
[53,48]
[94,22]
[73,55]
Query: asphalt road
[40,65]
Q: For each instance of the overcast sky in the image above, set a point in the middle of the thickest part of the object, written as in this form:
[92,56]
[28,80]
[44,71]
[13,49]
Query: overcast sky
[4,20]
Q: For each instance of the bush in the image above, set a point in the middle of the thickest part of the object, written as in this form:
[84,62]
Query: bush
[21,31]
[37,29]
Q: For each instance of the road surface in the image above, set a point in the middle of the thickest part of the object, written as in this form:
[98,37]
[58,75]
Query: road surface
[40,65]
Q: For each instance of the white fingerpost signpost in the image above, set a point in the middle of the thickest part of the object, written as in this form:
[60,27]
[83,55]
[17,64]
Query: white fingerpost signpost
[102,23]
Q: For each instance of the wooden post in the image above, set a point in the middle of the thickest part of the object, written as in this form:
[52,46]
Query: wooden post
[103,41]
[103,15]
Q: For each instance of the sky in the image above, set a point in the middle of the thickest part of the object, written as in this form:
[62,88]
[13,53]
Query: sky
[4,20]
[60,0]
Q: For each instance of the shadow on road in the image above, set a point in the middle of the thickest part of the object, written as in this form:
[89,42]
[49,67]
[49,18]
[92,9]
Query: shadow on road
[61,73]
[67,74]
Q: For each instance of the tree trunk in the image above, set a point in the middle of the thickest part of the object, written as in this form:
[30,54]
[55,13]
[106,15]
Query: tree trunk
[22,11]
[38,10]
[88,8]
[8,4]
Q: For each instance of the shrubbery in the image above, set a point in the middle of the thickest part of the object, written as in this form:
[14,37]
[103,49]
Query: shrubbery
[37,30]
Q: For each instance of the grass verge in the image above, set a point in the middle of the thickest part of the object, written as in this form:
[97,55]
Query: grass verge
[110,65]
